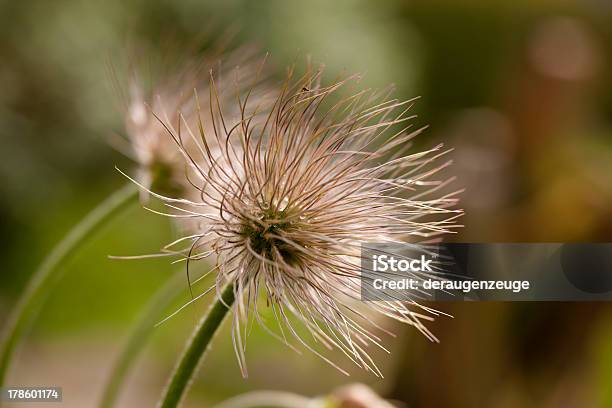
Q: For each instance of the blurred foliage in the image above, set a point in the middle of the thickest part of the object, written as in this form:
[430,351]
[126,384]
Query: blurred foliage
[522,90]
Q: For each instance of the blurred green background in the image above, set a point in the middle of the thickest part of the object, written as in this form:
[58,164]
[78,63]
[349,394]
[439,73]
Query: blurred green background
[521,89]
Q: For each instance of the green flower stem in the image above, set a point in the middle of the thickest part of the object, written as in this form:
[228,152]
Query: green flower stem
[50,270]
[193,353]
[139,335]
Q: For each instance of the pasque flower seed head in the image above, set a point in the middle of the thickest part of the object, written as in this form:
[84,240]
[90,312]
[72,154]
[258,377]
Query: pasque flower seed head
[288,194]
[161,166]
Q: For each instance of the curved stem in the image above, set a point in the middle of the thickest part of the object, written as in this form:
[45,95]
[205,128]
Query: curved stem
[280,399]
[138,336]
[196,347]
[49,271]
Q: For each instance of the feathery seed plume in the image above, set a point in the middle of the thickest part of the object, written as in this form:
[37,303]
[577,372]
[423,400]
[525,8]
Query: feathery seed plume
[286,194]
